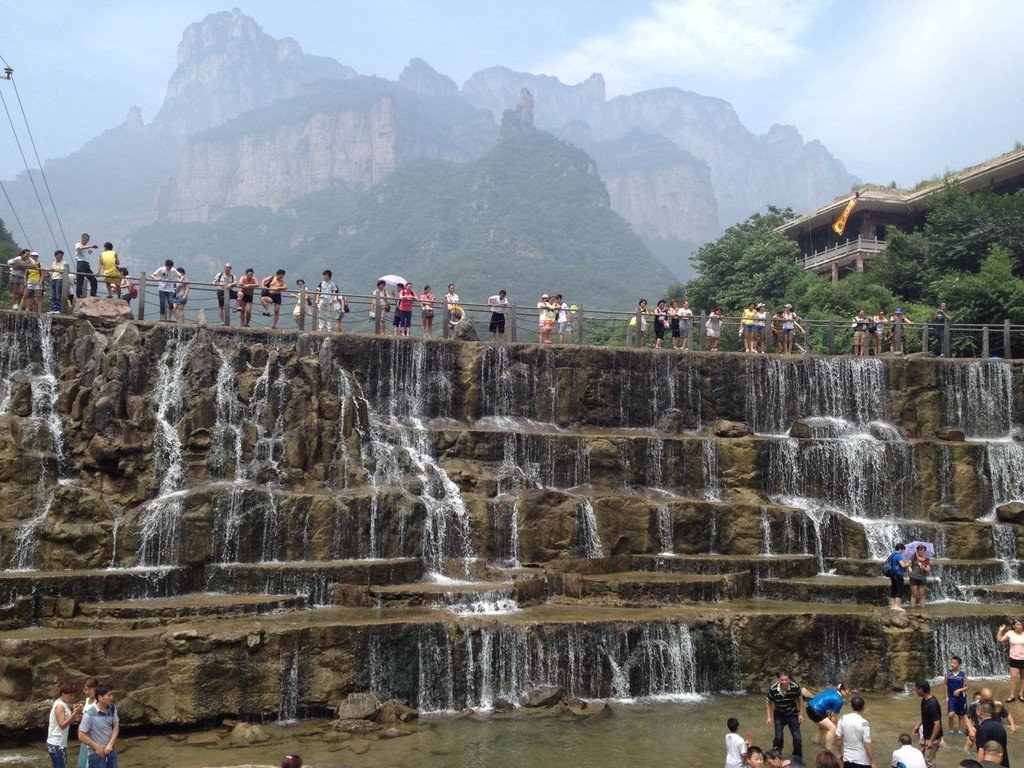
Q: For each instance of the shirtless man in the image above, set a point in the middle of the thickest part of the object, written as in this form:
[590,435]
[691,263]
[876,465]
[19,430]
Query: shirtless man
[273,286]
[246,287]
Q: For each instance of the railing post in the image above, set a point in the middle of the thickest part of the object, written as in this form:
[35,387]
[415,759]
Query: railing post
[924,338]
[984,343]
[512,322]
[639,340]
[580,337]
[831,334]
[897,335]
[226,320]
[302,310]
[65,290]
[946,346]
[315,315]
[142,296]
[702,332]
[1007,345]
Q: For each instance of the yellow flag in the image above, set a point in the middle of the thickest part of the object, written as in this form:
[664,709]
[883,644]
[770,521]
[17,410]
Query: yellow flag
[839,226]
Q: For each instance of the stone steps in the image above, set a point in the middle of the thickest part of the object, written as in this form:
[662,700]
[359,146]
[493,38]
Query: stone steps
[310,578]
[100,585]
[461,598]
[154,612]
[856,590]
[651,588]
[978,571]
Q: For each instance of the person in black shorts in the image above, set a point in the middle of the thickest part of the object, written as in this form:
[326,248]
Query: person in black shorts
[673,322]
[498,305]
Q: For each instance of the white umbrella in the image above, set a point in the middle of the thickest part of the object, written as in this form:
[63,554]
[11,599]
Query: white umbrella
[393,280]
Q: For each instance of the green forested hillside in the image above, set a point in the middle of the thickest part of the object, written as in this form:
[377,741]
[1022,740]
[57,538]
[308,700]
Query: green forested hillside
[530,216]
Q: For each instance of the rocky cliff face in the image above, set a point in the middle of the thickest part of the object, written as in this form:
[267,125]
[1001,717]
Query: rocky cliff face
[228,65]
[747,171]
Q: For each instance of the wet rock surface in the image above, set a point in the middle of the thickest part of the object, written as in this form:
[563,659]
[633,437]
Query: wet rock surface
[664,517]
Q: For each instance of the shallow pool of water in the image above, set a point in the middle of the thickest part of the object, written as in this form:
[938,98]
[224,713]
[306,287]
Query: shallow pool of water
[641,734]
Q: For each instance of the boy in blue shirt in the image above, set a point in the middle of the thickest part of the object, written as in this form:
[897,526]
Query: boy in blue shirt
[956,695]
[897,569]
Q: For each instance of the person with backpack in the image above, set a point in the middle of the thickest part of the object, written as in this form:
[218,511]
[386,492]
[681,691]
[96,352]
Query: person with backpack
[895,568]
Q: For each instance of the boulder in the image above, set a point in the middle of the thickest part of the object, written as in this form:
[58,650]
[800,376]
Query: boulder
[544,696]
[103,310]
[501,705]
[950,435]
[725,428]
[244,734]
[395,711]
[393,733]
[358,706]
[1011,512]
[801,430]
[464,331]
[355,726]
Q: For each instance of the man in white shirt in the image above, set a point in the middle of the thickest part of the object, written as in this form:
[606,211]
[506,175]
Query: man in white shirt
[498,305]
[83,252]
[907,756]
[168,278]
[328,299]
[57,271]
[853,737]
[563,318]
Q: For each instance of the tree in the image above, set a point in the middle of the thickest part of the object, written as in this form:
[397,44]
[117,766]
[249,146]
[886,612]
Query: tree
[8,250]
[751,261]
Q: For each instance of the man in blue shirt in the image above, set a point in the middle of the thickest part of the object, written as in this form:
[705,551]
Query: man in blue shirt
[100,728]
[897,568]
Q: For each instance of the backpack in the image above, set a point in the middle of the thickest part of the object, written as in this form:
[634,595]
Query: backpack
[888,569]
[134,290]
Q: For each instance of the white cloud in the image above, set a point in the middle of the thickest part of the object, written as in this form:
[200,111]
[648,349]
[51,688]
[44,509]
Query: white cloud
[728,40]
[930,86]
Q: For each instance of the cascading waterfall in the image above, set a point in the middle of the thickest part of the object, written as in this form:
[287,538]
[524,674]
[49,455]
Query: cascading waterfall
[972,639]
[666,530]
[586,539]
[766,532]
[547,461]
[288,705]
[1002,466]
[656,659]
[978,397]
[711,472]
[780,391]
[251,502]
[160,523]
[1004,546]
[409,388]
[837,654]
[15,357]
[505,507]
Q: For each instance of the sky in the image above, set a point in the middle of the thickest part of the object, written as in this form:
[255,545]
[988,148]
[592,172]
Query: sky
[899,90]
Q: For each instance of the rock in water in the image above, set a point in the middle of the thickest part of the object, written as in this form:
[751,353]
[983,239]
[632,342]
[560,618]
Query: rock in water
[545,696]
[102,309]
[358,706]
[724,428]
[1011,512]
[464,331]
[950,435]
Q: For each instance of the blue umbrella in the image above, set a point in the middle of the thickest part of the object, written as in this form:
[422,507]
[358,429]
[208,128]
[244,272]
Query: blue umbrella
[929,548]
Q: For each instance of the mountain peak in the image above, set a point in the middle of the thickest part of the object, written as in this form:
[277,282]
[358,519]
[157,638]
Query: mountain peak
[420,77]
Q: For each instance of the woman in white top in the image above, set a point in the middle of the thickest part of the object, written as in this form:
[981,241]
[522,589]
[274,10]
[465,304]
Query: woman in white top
[1015,637]
[62,713]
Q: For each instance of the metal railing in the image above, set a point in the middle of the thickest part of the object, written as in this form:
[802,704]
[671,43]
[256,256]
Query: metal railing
[300,311]
[869,248]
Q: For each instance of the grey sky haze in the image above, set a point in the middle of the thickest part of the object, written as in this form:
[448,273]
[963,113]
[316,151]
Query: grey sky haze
[897,90]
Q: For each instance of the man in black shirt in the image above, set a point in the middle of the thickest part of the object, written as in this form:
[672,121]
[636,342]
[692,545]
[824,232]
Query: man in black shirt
[930,722]
[784,705]
[990,729]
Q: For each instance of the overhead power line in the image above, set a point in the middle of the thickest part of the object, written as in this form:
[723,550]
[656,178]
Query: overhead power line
[24,234]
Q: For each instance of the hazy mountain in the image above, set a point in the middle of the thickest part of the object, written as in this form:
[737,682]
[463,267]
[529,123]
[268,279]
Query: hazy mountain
[252,122]
[530,216]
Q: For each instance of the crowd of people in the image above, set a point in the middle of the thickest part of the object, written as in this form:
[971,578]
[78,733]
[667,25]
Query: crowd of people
[760,330]
[846,738]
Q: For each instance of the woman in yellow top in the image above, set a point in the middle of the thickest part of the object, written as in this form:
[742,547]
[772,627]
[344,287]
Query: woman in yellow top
[110,268]
[750,328]
[31,299]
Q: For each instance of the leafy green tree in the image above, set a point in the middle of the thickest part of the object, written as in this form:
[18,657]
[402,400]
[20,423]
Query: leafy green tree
[750,261]
[8,250]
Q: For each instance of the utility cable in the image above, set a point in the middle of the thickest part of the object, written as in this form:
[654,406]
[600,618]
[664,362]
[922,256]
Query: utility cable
[28,170]
[39,162]
[24,234]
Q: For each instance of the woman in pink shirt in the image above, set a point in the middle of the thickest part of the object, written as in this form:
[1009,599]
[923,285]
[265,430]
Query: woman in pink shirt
[1015,637]
[403,318]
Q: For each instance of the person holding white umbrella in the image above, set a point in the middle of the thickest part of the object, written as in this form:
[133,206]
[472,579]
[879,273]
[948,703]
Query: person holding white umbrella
[920,568]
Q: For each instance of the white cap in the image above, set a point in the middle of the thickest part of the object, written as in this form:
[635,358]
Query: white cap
[33,253]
